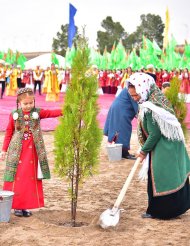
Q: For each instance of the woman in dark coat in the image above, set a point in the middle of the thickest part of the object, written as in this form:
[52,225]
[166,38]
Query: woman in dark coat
[118,125]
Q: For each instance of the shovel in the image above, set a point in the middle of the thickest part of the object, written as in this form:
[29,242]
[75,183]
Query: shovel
[110,217]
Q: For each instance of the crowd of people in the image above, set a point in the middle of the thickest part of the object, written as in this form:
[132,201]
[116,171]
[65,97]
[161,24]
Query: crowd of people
[159,133]
[109,80]
[54,79]
[50,81]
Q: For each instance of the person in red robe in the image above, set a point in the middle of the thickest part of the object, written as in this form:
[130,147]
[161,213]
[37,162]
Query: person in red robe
[26,161]
[185,83]
[165,76]
[104,80]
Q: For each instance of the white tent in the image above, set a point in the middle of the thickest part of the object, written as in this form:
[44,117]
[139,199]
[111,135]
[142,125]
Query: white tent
[44,61]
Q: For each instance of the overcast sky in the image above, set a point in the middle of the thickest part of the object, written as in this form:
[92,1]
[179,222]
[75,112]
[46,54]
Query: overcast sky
[30,25]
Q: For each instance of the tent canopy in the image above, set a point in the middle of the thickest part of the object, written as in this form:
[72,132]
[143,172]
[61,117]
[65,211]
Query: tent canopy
[44,61]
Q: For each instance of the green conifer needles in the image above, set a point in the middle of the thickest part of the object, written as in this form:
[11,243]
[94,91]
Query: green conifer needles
[78,136]
[178,102]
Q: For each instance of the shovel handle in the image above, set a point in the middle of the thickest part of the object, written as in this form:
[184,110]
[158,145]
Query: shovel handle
[127,183]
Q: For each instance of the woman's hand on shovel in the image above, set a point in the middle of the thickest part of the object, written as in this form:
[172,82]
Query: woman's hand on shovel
[2,156]
[142,156]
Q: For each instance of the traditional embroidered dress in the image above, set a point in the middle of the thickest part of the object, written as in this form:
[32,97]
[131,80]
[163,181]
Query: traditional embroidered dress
[12,86]
[47,74]
[25,149]
[52,87]
[185,83]
[161,137]
[25,77]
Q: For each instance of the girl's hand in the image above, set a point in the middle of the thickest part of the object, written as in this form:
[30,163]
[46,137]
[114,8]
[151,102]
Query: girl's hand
[2,155]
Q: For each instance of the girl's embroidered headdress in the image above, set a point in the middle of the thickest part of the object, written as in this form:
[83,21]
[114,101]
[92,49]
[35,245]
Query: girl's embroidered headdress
[24,90]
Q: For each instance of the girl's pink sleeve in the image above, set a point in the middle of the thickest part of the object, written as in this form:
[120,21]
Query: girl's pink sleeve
[47,113]
[9,133]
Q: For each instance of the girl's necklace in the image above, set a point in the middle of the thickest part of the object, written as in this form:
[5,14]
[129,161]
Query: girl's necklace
[27,132]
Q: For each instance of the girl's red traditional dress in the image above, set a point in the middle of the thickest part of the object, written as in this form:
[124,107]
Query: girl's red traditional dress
[26,186]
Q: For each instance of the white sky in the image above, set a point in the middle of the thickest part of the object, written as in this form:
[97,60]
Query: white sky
[30,25]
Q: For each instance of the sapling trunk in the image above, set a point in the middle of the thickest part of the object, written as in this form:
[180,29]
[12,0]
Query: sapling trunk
[78,136]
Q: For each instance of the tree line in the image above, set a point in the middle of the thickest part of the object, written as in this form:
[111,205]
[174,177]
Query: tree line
[150,26]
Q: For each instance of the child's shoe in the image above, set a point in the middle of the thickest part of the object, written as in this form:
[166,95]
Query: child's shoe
[18,212]
[26,213]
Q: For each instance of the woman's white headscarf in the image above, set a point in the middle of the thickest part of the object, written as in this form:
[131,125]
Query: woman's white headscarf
[142,83]
[152,99]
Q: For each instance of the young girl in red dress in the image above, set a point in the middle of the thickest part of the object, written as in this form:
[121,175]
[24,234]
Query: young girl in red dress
[26,155]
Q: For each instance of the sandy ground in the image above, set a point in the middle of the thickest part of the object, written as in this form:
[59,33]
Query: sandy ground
[97,194]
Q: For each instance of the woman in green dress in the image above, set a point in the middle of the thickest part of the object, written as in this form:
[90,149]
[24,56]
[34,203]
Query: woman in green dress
[162,148]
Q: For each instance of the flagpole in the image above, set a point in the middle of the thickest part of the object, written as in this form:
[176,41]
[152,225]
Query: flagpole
[71,27]
[166,30]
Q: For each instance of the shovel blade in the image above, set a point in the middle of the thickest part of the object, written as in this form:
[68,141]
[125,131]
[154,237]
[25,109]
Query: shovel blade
[109,218]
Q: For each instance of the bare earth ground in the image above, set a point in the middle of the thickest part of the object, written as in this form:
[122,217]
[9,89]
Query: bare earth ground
[97,194]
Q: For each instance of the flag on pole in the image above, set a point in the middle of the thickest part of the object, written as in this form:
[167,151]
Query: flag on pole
[72,27]
[54,58]
[166,29]
[156,48]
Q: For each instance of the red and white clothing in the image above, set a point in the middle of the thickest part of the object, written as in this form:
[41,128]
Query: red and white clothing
[25,77]
[26,186]
[185,83]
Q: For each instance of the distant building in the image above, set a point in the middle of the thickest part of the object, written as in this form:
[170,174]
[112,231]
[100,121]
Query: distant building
[30,55]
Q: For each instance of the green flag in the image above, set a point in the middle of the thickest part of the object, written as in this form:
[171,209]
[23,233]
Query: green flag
[54,59]
[120,56]
[156,48]
[112,63]
[20,59]
[70,53]
[105,59]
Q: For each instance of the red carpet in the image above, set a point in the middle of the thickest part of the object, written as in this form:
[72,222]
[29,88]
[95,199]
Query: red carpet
[7,104]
